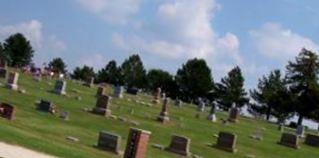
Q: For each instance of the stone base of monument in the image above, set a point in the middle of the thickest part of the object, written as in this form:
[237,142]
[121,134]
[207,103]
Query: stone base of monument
[163,119]
[233,120]
[102,111]
[212,118]
[12,86]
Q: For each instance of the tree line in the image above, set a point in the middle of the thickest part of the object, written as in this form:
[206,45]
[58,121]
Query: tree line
[277,94]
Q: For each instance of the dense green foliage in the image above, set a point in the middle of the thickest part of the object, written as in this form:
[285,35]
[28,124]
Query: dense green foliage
[273,97]
[194,79]
[231,90]
[133,71]
[57,65]
[302,76]
[18,50]
[110,74]
[85,73]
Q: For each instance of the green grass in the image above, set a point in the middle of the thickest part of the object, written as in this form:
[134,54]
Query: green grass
[46,133]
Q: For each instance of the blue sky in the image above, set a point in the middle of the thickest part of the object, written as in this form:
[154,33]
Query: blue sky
[256,35]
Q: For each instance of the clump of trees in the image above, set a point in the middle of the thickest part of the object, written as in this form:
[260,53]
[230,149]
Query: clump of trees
[278,95]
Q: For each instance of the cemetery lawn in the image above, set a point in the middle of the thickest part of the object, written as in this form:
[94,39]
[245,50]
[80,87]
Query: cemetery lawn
[47,133]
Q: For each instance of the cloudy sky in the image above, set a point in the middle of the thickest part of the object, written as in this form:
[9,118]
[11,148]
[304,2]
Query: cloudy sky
[256,35]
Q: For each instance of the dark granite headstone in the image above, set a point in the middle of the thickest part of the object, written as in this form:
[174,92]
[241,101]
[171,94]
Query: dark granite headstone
[180,145]
[312,140]
[46,106]
[102,105]
[7,111]
[132,91]
[233,114]
[227,141]
[289,140]
[60,86]
[109,141]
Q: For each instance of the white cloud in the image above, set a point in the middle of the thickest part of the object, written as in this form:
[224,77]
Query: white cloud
[113,11]
[96,60]
[181,29]
[32,30]
[56,44]
[277,42]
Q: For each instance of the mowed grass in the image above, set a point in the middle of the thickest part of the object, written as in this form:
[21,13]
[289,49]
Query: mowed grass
[46,133]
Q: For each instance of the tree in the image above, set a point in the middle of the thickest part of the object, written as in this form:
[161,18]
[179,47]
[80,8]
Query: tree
[110,74]
[194,79]
[85,73]
[18,50]
[57,65]
[133,71]
[159,78]
[231,90]
[272,97]
[302,76]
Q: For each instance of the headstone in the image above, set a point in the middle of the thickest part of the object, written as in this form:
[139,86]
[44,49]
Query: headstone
[3,68]
[12,82]
[64,115]
[7,111]
[60,86]
[212,115]
[109,141]
[157,95]
[101,91]
[300,131]
[37,77]
[102,105]
[201,105]
[137,141]
[180,145]
[312,140]
[163,116]
[118,91]
[290,140]
[257,135]
[227,141]
[46,106]
[178,103]
[132,90]
[234,114]
[89,82]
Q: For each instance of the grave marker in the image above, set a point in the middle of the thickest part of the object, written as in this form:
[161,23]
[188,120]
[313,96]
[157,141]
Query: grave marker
[46,106]
[180,145]
[157,95]
[137,141]
[300,131]
[7,111]
[289,140]
[227,141]
[109,141]
[102,105]
[60,86]
[312,140]
[89,82]
[163,116]
[118,91]
[101,91]
[234,114]
[12,82]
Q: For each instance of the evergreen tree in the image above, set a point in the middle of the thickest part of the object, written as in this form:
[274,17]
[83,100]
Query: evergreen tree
[133,71]
[57,65]
[194,79]
[159,78]
[18,50]
[272,97]
[85,73]
[110,74]
[231,90]
[302,76]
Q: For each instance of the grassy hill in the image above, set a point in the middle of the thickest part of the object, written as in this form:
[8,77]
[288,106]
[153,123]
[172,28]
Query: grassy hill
[47,133]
